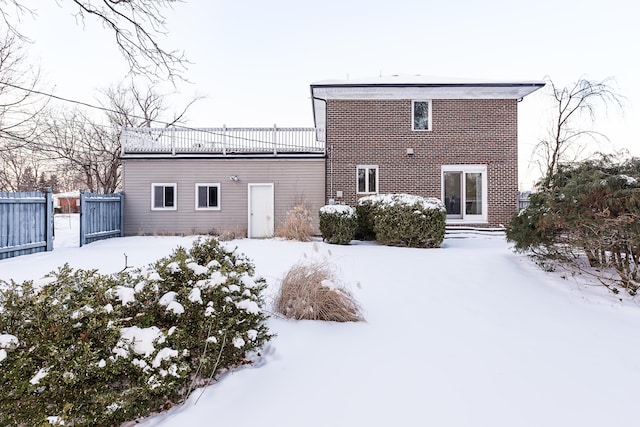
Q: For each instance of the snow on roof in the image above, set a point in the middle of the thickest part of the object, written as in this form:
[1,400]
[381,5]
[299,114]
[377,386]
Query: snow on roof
[422,80]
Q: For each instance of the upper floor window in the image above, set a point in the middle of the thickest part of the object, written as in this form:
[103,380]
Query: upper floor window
[421,115]
[367,177]
[163,196]
[207,196]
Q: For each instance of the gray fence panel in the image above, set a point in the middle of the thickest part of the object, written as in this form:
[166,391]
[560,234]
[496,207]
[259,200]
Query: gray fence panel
[523,200]
[101,216]
[26,223]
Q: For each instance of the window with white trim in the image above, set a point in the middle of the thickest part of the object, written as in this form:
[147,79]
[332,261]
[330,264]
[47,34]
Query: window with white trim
[421,115]
[367,179]
[207,196]
[164,196]
[464,192]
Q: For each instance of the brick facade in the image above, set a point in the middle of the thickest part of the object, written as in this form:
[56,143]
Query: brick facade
[463,131]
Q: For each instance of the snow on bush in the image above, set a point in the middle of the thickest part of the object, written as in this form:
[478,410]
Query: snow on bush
[87,349]
[402,220]
[338,223]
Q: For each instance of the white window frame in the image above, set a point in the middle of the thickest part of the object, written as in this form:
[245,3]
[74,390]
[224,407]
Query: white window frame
[413,112]
[464,169]
[208,185]
[175,196]
[367,169]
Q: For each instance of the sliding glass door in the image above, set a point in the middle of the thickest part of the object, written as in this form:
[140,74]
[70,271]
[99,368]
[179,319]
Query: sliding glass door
[464,192]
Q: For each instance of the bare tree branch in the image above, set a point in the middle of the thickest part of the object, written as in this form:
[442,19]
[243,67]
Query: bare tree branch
[567,140]
[137,26]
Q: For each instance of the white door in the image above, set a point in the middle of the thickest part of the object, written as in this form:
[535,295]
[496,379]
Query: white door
[261,213]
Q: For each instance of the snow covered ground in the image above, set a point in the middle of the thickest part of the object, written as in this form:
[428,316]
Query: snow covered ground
[467,335]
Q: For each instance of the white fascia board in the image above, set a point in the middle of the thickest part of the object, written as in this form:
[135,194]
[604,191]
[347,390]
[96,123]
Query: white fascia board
[441,91]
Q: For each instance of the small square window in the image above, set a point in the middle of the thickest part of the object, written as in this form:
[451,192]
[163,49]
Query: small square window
[207,196]
[163,196]
[367,179]
[421,111]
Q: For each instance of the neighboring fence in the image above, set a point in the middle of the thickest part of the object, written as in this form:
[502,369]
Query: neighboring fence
[523,199]
[26,223]
[101,216]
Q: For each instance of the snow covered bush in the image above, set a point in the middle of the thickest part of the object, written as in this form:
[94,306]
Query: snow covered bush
[86,349]
[297,225]
[407,220]
[587,220]
[364,213]
[311,290]
[338,223]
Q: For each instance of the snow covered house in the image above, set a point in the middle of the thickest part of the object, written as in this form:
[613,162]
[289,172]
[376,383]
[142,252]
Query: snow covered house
[453,140]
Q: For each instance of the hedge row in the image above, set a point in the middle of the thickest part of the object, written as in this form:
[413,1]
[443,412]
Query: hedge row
[394,219]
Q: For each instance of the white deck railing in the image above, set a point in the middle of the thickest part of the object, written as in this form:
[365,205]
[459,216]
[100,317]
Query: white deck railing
[222,141]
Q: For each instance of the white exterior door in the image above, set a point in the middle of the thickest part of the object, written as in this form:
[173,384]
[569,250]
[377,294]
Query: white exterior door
[261,210]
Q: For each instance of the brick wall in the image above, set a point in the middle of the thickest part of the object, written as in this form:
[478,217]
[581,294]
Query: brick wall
[379,132]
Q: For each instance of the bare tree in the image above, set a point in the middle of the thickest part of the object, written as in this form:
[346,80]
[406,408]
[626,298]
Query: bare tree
[567,138]
[136,24]
[21,111]
[20,106]
[134,106]
[77,141]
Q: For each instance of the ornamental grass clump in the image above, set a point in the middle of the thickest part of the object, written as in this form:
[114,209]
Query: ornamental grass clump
[338,224]
[297,225]
[84,349]
[312,291]
[408,220]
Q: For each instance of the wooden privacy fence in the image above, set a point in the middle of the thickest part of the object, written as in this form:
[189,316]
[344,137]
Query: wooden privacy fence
[26,223]
[101,216]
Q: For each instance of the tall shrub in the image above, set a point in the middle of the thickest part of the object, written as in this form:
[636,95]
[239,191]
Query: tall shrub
[407,220]
[365,214]
[338,223]
[590,213]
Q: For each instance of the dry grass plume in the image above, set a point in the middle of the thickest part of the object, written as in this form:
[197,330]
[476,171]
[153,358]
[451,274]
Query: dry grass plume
[311,291]
[297,225]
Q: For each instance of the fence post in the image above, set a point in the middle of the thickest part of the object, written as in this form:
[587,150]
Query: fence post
[48,219]
[82,217]
[121,214]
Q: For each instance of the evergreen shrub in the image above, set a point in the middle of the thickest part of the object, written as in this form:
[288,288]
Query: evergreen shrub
[408,220]
[588,220]
[365,215]
[84,349]
[338,224]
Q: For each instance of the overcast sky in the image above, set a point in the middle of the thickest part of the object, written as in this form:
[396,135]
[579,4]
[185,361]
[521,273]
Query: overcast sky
[254,59]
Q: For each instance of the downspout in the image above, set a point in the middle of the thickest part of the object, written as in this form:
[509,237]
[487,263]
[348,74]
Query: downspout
[328,149]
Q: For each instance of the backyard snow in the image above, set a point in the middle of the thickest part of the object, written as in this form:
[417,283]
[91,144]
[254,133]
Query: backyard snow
[467,335]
